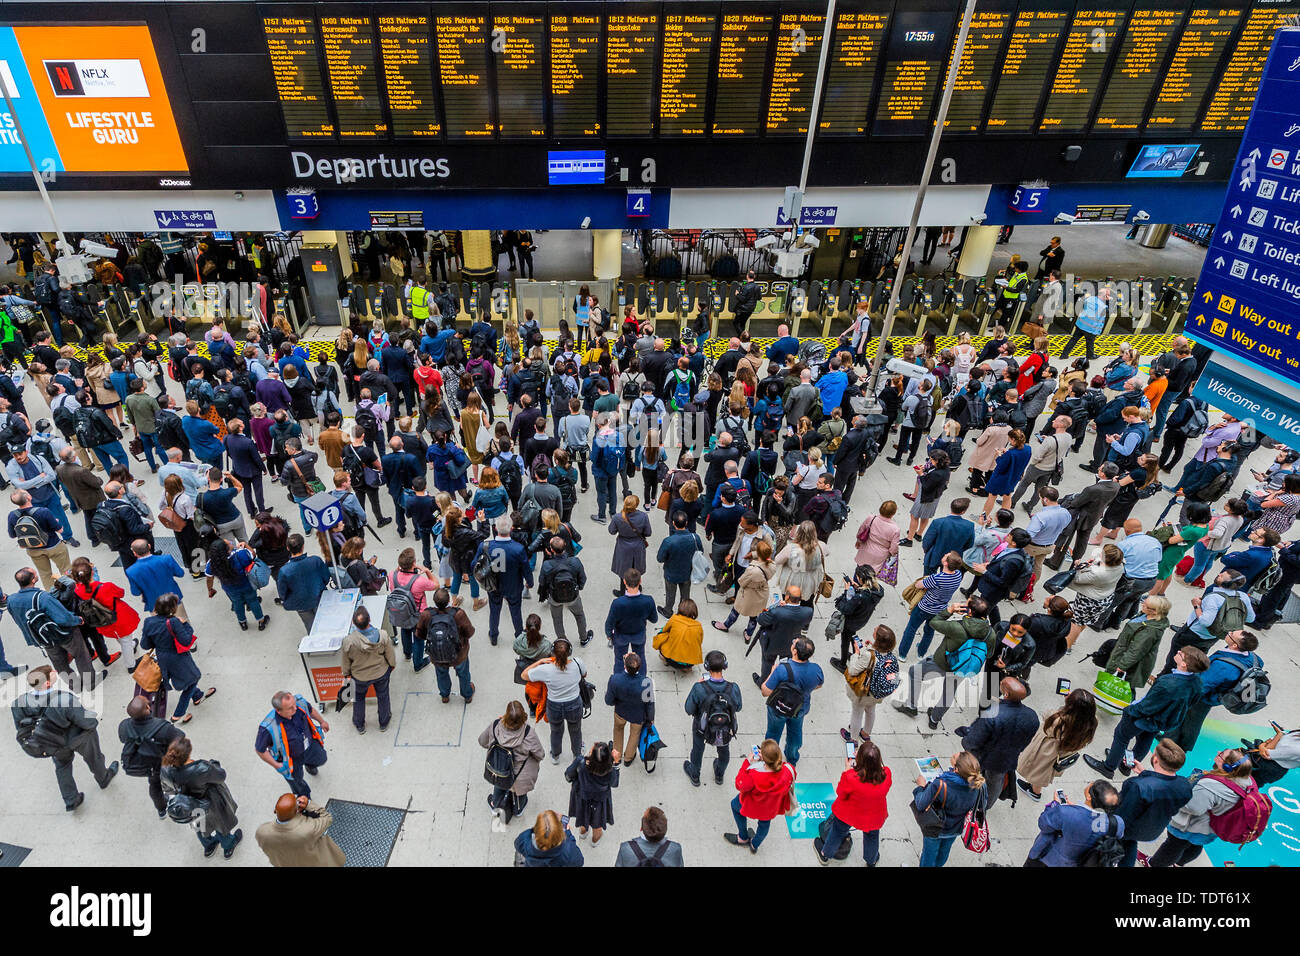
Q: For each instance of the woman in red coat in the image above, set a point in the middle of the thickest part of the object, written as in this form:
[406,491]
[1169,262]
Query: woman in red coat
[764,785]
[109,596]
[859,804]
[1031,369]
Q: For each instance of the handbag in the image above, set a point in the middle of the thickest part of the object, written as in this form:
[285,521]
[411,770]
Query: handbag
[315,486]
[1113,692]
[1059,581]
[147,673]
[828,585]
[912,594]
[259,574]
[136,447]
[665,499]
[700,568]
[888,573]
[931,820]
[1061,764]
[975,831]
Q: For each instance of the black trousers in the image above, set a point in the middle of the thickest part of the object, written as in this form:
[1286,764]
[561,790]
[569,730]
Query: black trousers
[1183,637]
[1089,339]
[1171,451]
[367,494]
[1273,602]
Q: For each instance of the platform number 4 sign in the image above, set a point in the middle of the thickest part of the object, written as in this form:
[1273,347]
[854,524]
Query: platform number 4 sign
[638,203]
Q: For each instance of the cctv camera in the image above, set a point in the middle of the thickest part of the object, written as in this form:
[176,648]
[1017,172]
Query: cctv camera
[586,222]
[765,242]
[1064,217]
[1141,216]
[978,218]
[97,249]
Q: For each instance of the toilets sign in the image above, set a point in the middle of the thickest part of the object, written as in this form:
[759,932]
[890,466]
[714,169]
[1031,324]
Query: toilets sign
[1249,288]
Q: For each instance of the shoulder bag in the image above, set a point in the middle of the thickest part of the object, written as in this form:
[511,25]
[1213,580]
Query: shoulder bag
[912,594]
[932,819]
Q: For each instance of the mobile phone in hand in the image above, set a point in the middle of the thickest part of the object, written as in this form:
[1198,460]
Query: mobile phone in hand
[1060,796]
[1276,726]
[850,750]
[755,755]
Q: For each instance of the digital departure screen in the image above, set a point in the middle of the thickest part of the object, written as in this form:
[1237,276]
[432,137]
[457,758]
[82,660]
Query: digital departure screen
[349,45]
[1026,67]
[988,29]
[519,58]
[631,52]
[1079,71]
[407,58]
[1142,54]
[463,74]
[914,63]
[742,69]
[575,74]
[1235,94]
[794,73]
[291,42]
[684,83]
[1194,65]
[851,72]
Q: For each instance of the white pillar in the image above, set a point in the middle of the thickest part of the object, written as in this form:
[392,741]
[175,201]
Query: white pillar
[977,251]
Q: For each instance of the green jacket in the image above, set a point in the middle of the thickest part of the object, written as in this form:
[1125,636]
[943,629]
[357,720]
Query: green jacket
[140,410]
[1136,648]
[958,631]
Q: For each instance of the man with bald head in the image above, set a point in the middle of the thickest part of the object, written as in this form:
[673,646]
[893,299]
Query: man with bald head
[145,739]
[298,835]
[1141,561]
[127,525]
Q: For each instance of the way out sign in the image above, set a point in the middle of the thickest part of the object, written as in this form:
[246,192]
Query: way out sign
[815,801]
[322,510]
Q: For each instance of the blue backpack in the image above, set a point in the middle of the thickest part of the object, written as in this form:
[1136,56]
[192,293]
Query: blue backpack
[774,416]
[681,391]
[968,660]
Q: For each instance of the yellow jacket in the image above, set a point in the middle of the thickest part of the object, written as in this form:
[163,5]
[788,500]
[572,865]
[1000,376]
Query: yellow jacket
[681,640]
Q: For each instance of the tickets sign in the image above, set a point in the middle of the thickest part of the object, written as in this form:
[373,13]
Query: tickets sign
[89,100]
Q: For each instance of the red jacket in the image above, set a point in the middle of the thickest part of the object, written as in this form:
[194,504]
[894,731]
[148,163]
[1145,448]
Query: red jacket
[1028,372]
[859,804]
[110,595]
[762,792]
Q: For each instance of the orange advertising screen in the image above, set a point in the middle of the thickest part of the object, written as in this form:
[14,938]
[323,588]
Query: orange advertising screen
[90,100]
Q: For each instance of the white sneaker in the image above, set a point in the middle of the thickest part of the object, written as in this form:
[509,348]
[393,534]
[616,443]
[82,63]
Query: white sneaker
[556,760]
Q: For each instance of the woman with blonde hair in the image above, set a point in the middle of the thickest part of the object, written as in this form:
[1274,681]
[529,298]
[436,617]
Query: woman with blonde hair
[472,418]
[764,792]
[548,843]
[951,795]
[802,562]
[804,479]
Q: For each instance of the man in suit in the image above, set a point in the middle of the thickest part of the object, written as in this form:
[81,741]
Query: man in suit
[400,468]
[1149,800]
[1085,511]
[398,366]
[997,578]
[998,737]
[778,626]
[851,458]
[514,572]
[298,835]
[950,533]
[1162,709]
[744,302]
[55,721]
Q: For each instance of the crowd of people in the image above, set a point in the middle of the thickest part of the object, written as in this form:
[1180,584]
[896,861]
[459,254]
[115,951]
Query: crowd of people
[481,444]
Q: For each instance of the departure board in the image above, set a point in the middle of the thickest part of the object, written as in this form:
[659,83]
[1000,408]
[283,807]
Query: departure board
[1079,71]
[1026,66]
[518,53]
[349,44]
[631,49]
[462,71]
[1230,107]
[918,51]
[851,72]
[988,29]
[794,73]
[1193,68]
[742,69]
[575,74]
[407,58]
[684,83]
[298,83]
[1147,40]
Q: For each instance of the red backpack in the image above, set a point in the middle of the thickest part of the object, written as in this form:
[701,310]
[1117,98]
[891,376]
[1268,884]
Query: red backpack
[1246,821]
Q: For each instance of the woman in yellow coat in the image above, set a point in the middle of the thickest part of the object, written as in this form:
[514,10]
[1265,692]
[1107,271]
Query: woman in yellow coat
[681,642]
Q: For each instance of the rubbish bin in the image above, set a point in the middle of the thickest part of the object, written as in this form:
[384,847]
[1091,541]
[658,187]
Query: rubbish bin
[1155,235]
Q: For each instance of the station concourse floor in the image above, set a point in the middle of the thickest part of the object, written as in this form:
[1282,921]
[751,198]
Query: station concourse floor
[429,761]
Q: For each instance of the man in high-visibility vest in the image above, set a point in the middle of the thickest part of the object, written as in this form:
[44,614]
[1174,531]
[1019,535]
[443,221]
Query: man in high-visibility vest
[1017,282]
[419,302]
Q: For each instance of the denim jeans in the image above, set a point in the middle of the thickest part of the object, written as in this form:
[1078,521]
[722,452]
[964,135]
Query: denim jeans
[454,586]
[742,824]
[1125,731]
[443,675]
[413,648]
[425,537]
[494,614]
[109,452]
[1202,560]
[732,617]
[935,850]
[838,830]
[915,620]
[55,505]
[188,695]
[247,598]
[606,495]
[793,727]
[697,755]
[557,715]
[1162,412]
[150,442]
[225,840]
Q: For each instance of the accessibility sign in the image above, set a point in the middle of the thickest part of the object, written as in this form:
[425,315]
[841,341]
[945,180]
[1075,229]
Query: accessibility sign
[1249,287]
[185,218]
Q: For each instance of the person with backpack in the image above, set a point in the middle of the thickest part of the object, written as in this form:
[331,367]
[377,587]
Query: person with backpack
[408,589]
[1087,834]
[445,631]
[514,757]
[1235,678]
[1224,607]
[712,705]
[232,567]
[145,739]
[54,723]
[45,623]
[1188,420]
[560,587]
[630,692]
[197,794]
[789,688]
[506,571]
[1225,805]
[608,455]
[826,509]
[652,848]
[459,543]
[765,785]
[96,432]
[1007,574]
[368,660]
[37,531]
[918,411]
[564,676]
[1208,481]
[968,641]
[1161,711]
[870,677]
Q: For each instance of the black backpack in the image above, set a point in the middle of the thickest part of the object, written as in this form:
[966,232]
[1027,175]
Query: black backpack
[108,526]
[655,859]
[443,639]
[564,587]
[922,412]
[65,419]
[38,737]
[1216,487]
[365,417]
[787,699]
[499,765]
[223,401]
[29,533]
[1108,850]
[45,633]
[141,752]
[1021,581]
[89,432]
[717,720]
[631,389]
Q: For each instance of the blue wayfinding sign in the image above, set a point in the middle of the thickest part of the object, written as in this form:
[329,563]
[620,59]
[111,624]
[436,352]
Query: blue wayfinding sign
[811,216]
[185,218]
[1250,401]
[1249,288]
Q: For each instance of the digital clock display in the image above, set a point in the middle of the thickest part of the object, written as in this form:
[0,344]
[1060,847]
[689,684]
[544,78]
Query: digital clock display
[920,36]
